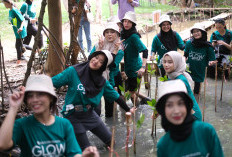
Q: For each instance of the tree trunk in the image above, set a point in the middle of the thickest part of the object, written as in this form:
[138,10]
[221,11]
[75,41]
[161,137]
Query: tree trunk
[110,7]
[53,65]
[98,11]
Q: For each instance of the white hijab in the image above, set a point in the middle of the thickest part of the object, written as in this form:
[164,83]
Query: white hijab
[110,47]
[179,66]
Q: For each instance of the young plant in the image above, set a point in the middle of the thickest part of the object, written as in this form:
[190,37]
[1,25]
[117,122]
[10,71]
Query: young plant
[162,79]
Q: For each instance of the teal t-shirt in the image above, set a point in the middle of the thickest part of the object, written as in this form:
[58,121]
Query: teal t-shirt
[158,47]
[36,139]
[31,10]
[196,107]
[198,59]
[76,92]
[202,142]
[16,20]
[220,37]
[133,62]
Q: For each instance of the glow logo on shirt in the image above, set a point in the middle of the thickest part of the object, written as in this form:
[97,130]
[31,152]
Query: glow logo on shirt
[49,148]
[163,47]
[196,56]
[81,88]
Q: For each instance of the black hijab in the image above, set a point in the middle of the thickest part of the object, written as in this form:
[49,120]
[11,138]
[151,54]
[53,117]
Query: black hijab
[29,2]
[168,39]
[177,132]
[125,34]
[202,42]
[92,80]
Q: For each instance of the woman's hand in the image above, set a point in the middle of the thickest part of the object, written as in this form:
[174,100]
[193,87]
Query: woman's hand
[220,42]
[33,21]
[20,30]
[141,71]
[16,98]
[100,42]
[90,152]
[117,46]
[212,62]
[129,1]
[132,110]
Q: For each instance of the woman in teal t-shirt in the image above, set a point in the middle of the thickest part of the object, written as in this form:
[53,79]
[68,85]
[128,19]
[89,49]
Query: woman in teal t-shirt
[86,86]
[134,66]
[40,134]
[199,53]
[184,136]
[28,9]
[174,65]
[167,40]
[17,22]
[112,43]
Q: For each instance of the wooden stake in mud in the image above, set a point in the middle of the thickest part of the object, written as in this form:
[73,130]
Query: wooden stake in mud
[154,118]
[216,87]
[204,94]
[128,117]
[134,119]
[113,129]
[147,34]
[223,78]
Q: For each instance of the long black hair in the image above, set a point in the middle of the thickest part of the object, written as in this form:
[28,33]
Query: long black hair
[28,2]
[221,21]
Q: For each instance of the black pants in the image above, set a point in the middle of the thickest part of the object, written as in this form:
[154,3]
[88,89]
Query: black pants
[32,31]
[100,131]
[197,87]
[19,46]
[110,105]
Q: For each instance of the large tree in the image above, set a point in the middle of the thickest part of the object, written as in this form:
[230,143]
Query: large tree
[53,64]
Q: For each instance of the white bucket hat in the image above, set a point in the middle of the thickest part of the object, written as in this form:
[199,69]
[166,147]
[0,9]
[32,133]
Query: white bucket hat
[169,87]
[109,57]
[40,83]
[112,26]
[164,18]
[130,15]
[198,26]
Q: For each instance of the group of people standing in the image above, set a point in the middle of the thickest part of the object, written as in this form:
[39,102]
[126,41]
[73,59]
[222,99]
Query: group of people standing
[23,22]
[42,133]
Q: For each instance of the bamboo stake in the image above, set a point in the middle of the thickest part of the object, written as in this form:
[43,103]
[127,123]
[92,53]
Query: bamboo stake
[223,77]
[154,120]
[147,34]
[128,117]
[134,121]
[2,95]
[113,129]
[216,87]
[204,94]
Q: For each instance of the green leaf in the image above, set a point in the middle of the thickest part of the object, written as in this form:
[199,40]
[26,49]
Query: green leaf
[138,81]
[121,88]
[161,79]
[140,121]
[150,103]
[148,67]
[153,102]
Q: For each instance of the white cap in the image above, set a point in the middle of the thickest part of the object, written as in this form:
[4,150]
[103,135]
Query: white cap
[109,56]
[111,25]
[164,18]
[171,86]
[130,15]
[198,26]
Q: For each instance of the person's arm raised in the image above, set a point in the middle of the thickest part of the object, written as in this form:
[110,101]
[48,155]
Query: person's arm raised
[6,130]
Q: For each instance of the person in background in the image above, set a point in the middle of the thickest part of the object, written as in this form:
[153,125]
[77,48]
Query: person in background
[86,86]
[221,40]
[184,136]
[111,42]
[28,10]
[40,134]
[134,66]
[167,40]
[84,24]
[125,6]
[199,53]
[174,65]
[17,22]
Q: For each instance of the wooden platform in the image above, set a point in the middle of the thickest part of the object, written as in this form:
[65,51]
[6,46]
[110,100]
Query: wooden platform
[185,35]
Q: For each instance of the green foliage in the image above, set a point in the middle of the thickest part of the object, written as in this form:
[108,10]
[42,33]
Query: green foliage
[141,120]
[126,94]
[187,69]
[165,78]
[149,70]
